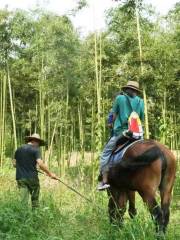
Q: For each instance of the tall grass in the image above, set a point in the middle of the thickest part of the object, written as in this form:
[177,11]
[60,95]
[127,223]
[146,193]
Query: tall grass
[65,216]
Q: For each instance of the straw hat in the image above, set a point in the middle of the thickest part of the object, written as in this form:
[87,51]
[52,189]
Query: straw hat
[133,85]
[35,137]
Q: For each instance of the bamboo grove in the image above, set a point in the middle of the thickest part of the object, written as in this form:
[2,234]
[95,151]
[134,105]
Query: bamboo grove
[55,82]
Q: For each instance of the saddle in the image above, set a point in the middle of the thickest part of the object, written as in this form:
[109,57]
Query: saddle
[121,147]
[123,142]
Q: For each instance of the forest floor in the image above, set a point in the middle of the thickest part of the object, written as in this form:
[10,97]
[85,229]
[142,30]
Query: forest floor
[63,215]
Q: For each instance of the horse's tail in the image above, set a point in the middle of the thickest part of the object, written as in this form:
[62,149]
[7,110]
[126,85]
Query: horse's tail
[145,159]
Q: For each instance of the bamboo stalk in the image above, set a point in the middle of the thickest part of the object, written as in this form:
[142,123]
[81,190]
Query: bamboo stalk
[81,132]
[51,144]
[48,122]
[41,101]
[12,108]
[66,135]
[98,76]
[164,118]
[93,146]
[4,117]
[141,70]
[36,117]
[1,119]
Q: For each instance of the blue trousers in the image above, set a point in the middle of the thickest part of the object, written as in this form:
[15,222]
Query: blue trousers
[105,156]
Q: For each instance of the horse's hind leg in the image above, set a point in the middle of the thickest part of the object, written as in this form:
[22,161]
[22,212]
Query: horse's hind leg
[166,195]
[166,189]
[165,204]
[132,209]
[155,210]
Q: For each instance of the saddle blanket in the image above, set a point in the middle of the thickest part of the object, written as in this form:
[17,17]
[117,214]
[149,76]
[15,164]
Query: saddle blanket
[117,156]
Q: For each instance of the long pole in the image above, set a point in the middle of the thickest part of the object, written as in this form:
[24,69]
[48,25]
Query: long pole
[75,191]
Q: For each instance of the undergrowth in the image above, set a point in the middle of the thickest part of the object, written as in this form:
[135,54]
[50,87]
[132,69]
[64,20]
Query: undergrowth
[63,215]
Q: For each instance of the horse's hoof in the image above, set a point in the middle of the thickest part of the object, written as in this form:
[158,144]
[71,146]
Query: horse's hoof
[160,235]
[132,213]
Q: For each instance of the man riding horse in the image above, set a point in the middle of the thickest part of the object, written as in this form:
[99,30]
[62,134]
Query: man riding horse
[123,107]
[146,160]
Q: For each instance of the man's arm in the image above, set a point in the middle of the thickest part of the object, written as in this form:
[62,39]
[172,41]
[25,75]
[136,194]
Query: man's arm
[110,120]
[44,168]
[115,109]
[114,116]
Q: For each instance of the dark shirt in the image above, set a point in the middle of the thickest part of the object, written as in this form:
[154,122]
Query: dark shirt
[26,159]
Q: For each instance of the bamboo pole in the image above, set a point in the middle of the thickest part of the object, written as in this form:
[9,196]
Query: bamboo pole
[51,144]
[93,163]
[66,134]
[98,76]
[1,120]
[4,117]
[48,122]
[81,139]
[141,69]
[60,151]
[12,108]
[81,132]
[36,117]
[164,118]
[41,102]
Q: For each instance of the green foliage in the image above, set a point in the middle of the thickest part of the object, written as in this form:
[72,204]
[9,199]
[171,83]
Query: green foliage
[64,216]
[59,79]
[63,87]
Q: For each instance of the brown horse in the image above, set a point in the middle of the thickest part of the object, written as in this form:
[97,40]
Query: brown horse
[146,167]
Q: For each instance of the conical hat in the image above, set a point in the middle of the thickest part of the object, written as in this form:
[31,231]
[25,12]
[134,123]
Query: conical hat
[35,136]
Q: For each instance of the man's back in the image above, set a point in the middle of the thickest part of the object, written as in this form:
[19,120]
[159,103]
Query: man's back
[123,106]
[26,157]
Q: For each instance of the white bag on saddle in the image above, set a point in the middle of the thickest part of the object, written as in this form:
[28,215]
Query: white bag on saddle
[135,125]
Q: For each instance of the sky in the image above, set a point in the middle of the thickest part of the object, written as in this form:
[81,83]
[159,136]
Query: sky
[88,19]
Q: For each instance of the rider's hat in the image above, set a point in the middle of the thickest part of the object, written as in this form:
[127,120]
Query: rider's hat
[133,85]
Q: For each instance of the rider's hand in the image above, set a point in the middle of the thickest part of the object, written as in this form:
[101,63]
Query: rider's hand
[53,176]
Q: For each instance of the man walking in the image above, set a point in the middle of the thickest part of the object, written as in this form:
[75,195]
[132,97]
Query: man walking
[26,159]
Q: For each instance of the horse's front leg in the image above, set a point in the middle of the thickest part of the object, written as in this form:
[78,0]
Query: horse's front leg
[132,208]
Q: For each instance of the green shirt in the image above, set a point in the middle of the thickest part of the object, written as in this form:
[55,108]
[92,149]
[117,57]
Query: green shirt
[123,108]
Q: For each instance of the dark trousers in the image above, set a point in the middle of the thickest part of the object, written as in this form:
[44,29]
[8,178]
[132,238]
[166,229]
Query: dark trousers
[29,187]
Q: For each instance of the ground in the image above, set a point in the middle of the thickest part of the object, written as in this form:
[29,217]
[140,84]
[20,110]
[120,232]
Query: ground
[63,215]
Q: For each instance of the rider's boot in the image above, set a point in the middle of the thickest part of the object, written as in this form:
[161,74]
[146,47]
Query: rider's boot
[104,184]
